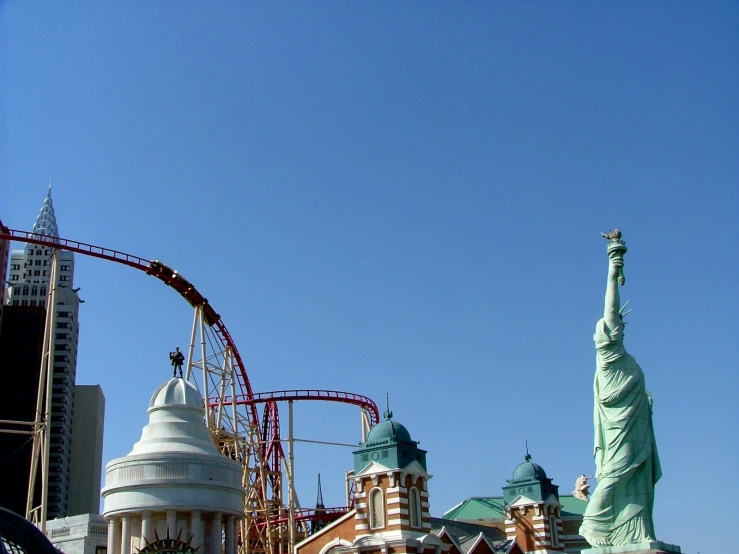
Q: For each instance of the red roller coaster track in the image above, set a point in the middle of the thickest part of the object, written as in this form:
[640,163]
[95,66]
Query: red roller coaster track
[244,396]
[157,269]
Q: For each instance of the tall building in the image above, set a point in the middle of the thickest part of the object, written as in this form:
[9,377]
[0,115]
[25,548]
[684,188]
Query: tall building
[87,450]
[21,339]
[28,284]
[4,257]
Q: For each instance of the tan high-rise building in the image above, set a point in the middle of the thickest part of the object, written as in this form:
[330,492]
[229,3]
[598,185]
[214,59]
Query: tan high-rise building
[86,462]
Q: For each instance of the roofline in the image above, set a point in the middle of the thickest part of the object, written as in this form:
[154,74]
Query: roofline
[331,525]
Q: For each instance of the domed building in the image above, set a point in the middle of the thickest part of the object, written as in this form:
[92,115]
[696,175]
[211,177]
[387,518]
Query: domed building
[391,510]
[531,512]
[174,484]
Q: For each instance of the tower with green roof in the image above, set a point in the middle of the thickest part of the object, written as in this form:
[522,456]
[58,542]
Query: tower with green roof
[389,443]
[532,503]
[391,502]
[529,480]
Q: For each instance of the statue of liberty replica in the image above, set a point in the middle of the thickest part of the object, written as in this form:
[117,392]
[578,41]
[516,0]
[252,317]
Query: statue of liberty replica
[619,512]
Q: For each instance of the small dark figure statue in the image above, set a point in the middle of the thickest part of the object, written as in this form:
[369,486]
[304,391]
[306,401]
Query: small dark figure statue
[177,360]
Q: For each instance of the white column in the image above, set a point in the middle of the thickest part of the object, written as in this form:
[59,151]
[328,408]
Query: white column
[215,533]
[230,535]
[196,528]
[126,535]
[172,523]
[146,534]
[114,536]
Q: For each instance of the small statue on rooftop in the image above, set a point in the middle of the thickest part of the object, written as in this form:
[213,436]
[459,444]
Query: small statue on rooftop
[177,359]
[582,488]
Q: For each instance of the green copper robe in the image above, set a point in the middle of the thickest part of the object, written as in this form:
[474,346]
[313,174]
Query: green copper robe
[627,464]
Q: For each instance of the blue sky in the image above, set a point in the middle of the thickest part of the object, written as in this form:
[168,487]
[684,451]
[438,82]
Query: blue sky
[404,198]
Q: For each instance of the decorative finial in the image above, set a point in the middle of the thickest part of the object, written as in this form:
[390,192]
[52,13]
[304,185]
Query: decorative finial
[388,414]
[528,456]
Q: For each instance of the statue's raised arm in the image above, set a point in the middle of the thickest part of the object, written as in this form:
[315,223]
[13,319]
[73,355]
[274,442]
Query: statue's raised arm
[616,250]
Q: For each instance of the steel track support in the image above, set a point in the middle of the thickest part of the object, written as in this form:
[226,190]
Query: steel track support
[191,347]
[290,477]
[42,424]
[222,395]
[206,389]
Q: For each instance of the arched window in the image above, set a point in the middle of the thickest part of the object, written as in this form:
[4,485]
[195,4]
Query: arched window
[414,505]
[553,531]
[377,509]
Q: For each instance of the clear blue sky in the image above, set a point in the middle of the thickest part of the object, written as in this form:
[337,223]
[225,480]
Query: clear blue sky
[402,197]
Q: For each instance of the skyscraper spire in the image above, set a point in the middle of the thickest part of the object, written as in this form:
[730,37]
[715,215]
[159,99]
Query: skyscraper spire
[46,221]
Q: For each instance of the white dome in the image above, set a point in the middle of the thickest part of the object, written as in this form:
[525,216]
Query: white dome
[176,464]
[176,422]
[176,392]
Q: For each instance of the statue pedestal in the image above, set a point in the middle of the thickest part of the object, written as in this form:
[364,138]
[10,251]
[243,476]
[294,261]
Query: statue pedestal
[652,547]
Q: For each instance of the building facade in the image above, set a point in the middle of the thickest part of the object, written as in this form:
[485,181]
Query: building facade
[531,511]
[28,285]
[4,259]
[81,534]
[21,340]
[86,463]
[391,509]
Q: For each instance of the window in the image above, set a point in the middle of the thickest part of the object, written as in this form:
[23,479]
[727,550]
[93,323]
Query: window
[46,272]
[65,268]
[15,267]
[36,273]
[553,531]
[414,504]
[377,509]
[14,277]
[38,262]
[62,314]
[64,278]
[34,290]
